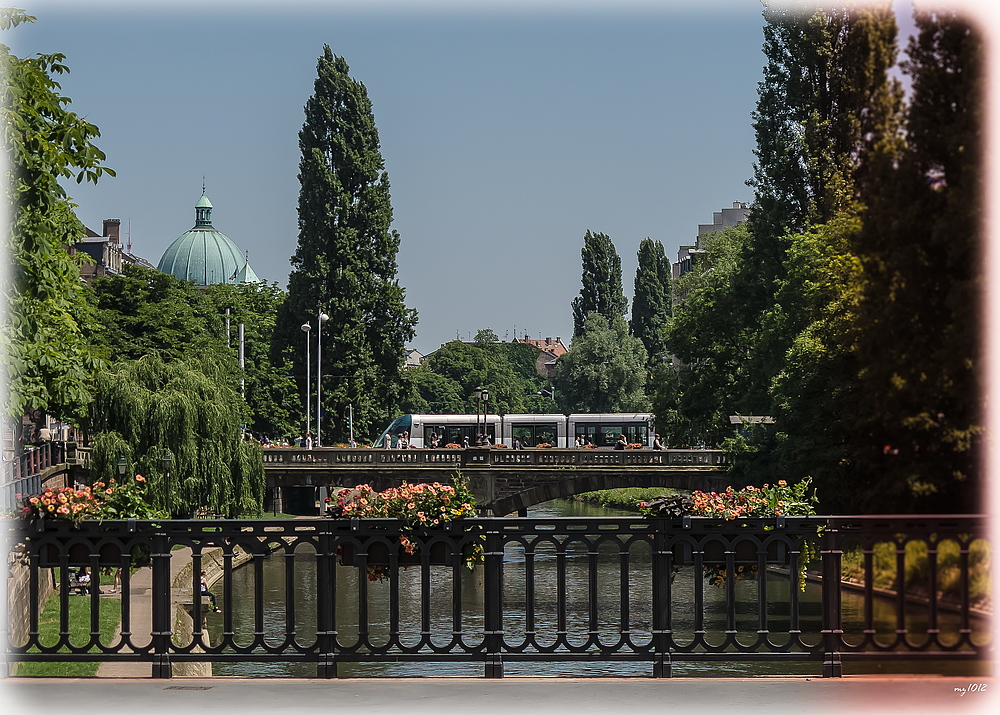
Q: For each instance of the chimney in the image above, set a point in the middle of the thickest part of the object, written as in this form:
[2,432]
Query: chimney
[112,229]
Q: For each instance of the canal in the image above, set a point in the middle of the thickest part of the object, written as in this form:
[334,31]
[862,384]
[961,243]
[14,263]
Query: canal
[609,589]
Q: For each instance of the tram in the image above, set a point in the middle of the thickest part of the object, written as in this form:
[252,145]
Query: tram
[601,430]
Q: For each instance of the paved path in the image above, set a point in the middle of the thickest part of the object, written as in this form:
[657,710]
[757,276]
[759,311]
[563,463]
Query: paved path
[912,695]
[140,589]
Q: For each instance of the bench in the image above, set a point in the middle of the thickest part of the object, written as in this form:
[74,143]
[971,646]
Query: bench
[81,587]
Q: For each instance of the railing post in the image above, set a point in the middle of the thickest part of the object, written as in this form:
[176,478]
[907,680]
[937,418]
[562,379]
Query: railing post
[493,600]
[160,598]
[833,627]
[662,566]
[326,633]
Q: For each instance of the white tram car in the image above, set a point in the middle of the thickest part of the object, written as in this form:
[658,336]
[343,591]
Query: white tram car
[560,431]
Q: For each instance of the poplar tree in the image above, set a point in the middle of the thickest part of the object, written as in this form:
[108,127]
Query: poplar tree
[919,327]
[345,261]
[602,282]
[651,299]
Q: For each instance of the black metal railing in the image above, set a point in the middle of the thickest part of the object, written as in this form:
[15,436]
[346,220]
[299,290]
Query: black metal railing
[573,590]
[480,457]
[22,474]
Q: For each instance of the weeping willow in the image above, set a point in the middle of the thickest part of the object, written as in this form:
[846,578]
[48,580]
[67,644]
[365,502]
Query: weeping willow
[148,411]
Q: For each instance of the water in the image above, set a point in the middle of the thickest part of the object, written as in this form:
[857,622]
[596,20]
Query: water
[271,618]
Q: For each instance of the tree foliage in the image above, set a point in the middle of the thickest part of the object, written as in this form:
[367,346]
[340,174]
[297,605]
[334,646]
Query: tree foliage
[605,370]
[345,261]
[446,381]
[849,311]
[651,301]
[48,358]
[147,409]
[923,283]
[602,282]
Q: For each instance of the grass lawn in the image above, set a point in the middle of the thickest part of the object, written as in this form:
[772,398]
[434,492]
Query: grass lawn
[79,629]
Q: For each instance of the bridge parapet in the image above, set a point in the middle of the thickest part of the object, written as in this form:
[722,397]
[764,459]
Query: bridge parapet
[478,457]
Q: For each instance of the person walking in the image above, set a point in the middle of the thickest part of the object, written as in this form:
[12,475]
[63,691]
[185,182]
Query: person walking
[656,442]
[622,443]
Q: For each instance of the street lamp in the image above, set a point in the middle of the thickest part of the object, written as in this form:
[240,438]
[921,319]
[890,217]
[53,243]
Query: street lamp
[479,398]
[122,464]
[486,398]
[167,461]
[305,329]
[320,319]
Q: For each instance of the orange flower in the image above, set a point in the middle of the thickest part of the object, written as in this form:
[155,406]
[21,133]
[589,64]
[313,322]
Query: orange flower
[139,478]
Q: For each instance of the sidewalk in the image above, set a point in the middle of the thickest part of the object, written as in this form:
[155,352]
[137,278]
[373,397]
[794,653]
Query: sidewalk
[914,695]
[141,624]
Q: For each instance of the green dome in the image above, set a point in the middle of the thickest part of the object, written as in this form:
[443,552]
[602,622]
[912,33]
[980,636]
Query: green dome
[205,255]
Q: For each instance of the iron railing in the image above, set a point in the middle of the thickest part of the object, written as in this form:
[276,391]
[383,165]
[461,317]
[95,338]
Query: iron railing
[573,590]
[22,474]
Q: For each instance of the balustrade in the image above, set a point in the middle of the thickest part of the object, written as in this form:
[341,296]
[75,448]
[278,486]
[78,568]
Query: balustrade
[549,589]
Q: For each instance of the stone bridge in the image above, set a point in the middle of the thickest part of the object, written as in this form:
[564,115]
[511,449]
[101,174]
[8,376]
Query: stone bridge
[504,481]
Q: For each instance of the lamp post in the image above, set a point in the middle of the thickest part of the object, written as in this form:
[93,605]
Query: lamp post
[486,398]
[479,398]
[320,319]
[122,464]
[305,329]
[167,461]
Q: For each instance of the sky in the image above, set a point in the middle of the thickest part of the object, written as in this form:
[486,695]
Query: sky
[508,131]
[508,128]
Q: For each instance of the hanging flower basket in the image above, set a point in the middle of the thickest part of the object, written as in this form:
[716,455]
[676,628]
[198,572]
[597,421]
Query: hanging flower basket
[731,505]
[422,508]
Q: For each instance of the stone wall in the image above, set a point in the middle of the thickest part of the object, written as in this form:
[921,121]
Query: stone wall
[18,594]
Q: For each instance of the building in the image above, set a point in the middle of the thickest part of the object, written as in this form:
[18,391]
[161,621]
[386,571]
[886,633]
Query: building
[413,359]
[549,351]
[205,255]
[106,251]
[726,218]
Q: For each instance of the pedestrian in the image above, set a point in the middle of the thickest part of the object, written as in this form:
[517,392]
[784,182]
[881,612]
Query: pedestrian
[83,578]
[353,443]
[576,442]
[465,442]
[309,440]
[517,443]
[206,592]
[656,442]
[622,443]
[434,441]
[403,442]
[116,585]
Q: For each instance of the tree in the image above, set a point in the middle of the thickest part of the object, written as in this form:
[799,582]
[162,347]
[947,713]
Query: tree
[49,360]
[826,111]
[711,348]
[919,324]
[602,282]
[605,371]
[345,261]
[270,392]
[651,306]
[147,409]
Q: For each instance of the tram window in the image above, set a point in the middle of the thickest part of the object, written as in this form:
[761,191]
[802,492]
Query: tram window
[545,434]
[524,435]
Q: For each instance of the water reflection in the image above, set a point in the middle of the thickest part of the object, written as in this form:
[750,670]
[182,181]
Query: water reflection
[621,612]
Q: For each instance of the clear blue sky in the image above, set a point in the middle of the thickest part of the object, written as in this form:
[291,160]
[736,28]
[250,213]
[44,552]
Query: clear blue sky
[508,131]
